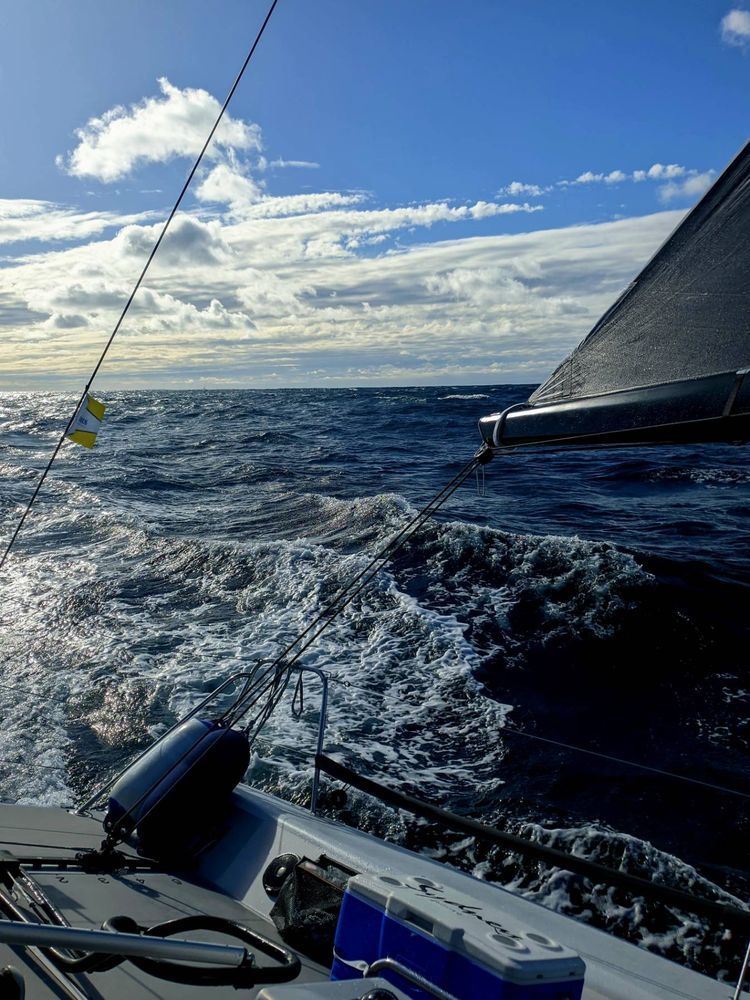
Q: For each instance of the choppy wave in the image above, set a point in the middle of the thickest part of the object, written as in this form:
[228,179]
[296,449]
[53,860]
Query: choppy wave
[163,563]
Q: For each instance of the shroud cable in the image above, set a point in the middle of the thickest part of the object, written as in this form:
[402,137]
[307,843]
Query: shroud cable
[137,285]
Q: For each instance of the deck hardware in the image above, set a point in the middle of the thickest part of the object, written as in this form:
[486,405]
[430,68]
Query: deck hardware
[391,965]
[743,974]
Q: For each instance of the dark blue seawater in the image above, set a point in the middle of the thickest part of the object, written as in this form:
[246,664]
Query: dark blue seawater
[595,598]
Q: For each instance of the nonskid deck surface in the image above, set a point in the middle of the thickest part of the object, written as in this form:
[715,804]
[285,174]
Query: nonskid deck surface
[38,831]
[227,882]
[86,900]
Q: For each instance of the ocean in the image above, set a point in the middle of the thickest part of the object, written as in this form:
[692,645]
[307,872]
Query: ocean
[592,598]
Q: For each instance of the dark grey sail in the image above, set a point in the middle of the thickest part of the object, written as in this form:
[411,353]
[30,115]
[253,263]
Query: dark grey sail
[668,360]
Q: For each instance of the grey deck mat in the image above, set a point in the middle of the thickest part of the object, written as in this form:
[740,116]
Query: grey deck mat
[88,900]
[34,831]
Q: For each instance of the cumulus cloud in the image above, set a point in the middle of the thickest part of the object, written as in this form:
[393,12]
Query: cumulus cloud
[228,184]
[155,130]
[316,286]
[613,177]
[517,189]
[735,27]
[189,242]
[96,301]
[694,182]
[339,232]
[691,187]
[228,262]
[263,293]
[483,287]
[658,171]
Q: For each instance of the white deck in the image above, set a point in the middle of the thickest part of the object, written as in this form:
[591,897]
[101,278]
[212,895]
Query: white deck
[227,881]
[266,826]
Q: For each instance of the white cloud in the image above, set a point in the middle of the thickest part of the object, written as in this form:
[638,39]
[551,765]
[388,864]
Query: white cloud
[301,204]
[735,27]
[300,164]
[154,131]
[693,184]
[95,302]
[27,219]
[658,171]
[254,286]
[613,177]
[333,232]
[189,242]
[65,321]
[691,187]
[517,188]
[290,286]
[327,212]
[263,293]
[483,287]
[488,209]
[229,185]
[588,178]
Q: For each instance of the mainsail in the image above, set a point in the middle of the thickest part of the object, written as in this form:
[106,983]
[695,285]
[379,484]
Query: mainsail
[668,360]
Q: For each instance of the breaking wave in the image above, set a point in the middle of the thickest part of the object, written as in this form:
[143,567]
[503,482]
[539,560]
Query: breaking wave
[466,395]
[123,606]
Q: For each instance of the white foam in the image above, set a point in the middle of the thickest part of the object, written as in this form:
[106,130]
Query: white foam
[466,395]
[109,621]
[702,476]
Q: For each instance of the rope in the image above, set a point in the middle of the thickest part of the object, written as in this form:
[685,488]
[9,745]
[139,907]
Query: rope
[360,580]
[272,682]
[274,679]
[137,285]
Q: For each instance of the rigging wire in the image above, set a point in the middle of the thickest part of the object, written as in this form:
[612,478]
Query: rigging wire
[673,775]
[137,285]
[292,652]
[629,763]
[276,681]
[274,678]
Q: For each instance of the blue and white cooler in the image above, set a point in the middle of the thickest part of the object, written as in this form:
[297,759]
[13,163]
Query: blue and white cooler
[466,948]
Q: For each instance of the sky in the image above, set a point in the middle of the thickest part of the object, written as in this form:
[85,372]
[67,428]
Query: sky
[405,191]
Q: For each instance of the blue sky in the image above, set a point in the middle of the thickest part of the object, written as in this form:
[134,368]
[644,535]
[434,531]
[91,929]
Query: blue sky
[409,191]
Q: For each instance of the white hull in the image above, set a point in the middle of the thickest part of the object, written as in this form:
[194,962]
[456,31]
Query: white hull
[227,880]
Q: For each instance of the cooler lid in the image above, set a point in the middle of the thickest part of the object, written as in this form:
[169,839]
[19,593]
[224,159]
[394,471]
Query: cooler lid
[462,924]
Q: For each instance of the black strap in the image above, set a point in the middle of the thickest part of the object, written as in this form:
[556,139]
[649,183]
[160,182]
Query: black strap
[729,916]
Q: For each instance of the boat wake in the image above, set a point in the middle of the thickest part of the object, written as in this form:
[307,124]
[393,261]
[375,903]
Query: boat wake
[124,609]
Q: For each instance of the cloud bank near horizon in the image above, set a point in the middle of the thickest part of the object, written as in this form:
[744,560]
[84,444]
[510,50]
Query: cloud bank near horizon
[318,287]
